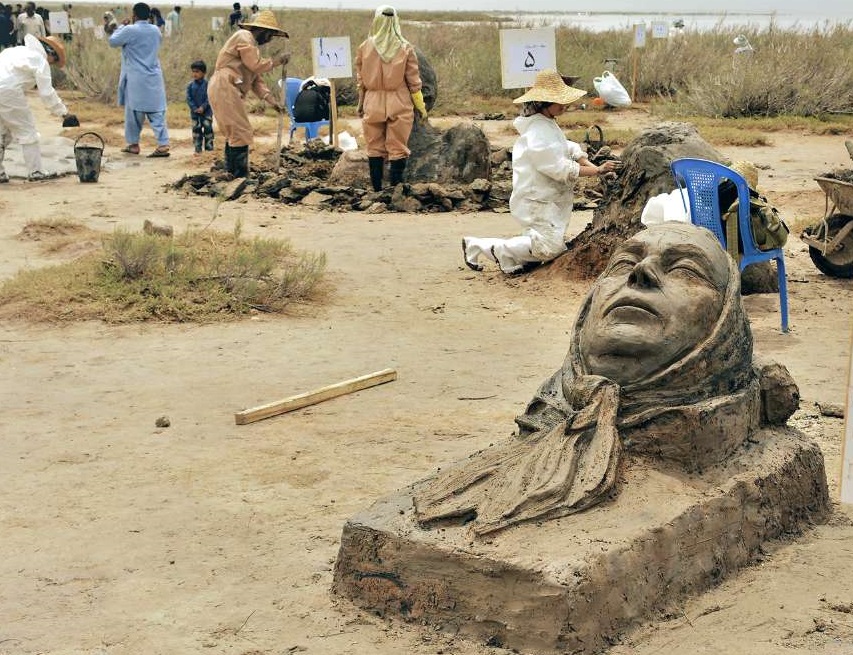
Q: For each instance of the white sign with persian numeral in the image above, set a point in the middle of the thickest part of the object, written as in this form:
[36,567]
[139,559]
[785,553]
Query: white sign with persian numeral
[640,35]
[660,29]
[59,23]
[524,53]
[331,56]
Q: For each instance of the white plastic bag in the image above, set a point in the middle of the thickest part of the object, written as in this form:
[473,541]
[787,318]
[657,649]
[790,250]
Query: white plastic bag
[346,141]
[666,207]
[611,90]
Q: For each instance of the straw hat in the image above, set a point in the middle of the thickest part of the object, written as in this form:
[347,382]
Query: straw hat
[54,46]
[266,20]
[748,171]
[550,87]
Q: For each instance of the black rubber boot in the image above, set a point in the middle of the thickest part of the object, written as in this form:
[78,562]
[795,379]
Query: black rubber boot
[240,161]
[397,167]
[377,170]
[227,164]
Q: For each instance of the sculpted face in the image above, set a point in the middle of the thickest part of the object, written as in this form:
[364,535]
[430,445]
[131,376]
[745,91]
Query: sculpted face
[660,295]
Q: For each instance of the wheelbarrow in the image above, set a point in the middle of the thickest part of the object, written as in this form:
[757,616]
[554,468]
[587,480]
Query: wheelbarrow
[830,242]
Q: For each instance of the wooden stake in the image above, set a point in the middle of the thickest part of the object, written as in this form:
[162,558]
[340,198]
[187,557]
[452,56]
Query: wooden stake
[333,114]
[314,397]
[279,137]
[847,444]
[634,62]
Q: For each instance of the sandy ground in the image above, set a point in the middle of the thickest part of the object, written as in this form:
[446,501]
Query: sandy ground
[206,537]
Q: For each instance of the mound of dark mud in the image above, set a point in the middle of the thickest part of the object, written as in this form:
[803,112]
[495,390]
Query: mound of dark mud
[304,179]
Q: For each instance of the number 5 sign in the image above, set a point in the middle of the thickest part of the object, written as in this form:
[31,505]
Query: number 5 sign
[524,53]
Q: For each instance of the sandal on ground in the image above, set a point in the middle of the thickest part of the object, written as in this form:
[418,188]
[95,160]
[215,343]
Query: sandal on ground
[132,149]
[161,151]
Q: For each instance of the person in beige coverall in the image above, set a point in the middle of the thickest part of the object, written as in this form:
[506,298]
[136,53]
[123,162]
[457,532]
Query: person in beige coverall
[389,92]
[239,66]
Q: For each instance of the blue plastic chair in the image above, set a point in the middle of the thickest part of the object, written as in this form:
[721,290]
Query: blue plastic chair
[291,90]
[702,179]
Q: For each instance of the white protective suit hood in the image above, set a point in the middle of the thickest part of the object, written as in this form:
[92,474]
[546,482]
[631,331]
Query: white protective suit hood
[33,43]
[23,68]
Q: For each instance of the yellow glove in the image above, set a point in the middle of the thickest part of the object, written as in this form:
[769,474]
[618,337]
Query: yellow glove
[418,102]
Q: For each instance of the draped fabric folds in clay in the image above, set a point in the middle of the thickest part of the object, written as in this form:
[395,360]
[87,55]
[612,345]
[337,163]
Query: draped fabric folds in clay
[567,457]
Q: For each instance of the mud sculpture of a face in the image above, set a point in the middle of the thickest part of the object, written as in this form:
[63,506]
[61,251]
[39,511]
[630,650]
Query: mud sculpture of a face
[659,296]
[660,364]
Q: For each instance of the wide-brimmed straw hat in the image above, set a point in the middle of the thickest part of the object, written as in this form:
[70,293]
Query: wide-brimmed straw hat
[265,20]
[550,87]
[52,45]
[748,171]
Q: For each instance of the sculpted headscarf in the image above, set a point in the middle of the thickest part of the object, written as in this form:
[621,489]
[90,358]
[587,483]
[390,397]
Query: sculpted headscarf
[385,33]
[572,434]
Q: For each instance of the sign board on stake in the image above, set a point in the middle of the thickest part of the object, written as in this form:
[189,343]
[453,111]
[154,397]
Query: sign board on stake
[660,29]
[88,22]
[59,23]
[331,57]
[216,23]
[524,53]
[847,447]
[640,35]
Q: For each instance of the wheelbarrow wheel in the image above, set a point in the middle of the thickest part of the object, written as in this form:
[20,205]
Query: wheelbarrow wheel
[839,262]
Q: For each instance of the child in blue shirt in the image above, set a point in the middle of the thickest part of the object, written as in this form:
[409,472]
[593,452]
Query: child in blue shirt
[200,111]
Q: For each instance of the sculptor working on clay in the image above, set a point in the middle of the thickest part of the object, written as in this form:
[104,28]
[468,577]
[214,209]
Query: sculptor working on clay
[660,363]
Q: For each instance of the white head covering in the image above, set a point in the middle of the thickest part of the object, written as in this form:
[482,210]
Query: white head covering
[385,32]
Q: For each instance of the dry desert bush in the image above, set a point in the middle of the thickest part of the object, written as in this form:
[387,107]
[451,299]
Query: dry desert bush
[790,72]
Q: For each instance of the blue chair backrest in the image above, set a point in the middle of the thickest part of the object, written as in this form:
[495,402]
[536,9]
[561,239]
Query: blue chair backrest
[702,180]
[291,90]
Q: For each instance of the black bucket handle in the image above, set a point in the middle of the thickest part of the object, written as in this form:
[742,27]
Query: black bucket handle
[598,143]
[94,134]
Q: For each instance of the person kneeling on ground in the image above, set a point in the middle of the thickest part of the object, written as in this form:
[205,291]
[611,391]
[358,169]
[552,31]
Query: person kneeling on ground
[545,167]
[22,68]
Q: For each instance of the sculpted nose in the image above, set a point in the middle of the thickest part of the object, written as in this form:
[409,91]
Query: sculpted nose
[645,274]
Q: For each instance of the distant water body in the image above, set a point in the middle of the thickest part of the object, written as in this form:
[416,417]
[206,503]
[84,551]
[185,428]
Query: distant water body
[805,19]
[602,22]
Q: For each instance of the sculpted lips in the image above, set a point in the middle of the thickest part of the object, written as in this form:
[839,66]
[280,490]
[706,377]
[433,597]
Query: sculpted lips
[632,302]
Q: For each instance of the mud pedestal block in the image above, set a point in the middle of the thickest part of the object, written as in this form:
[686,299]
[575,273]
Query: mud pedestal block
[576,584]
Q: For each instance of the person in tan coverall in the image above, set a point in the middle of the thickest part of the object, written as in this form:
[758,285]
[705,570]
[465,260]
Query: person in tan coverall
[238,69]
[389,90]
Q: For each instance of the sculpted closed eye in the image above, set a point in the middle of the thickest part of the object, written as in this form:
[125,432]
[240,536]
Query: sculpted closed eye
[690,267]
[622,264]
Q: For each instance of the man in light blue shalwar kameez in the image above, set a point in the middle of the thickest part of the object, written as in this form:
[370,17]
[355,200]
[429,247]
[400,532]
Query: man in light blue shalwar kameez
[140,87]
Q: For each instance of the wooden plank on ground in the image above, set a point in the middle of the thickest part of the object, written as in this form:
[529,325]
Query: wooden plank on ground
[314,397]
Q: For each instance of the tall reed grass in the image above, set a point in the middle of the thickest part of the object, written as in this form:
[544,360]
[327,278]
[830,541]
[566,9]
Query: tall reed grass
[790,72]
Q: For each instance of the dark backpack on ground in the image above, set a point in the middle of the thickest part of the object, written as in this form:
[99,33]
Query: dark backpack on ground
[312,103]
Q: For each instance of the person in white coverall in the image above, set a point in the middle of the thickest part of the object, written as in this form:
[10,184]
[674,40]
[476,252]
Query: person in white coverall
[22,68]
[545,167]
